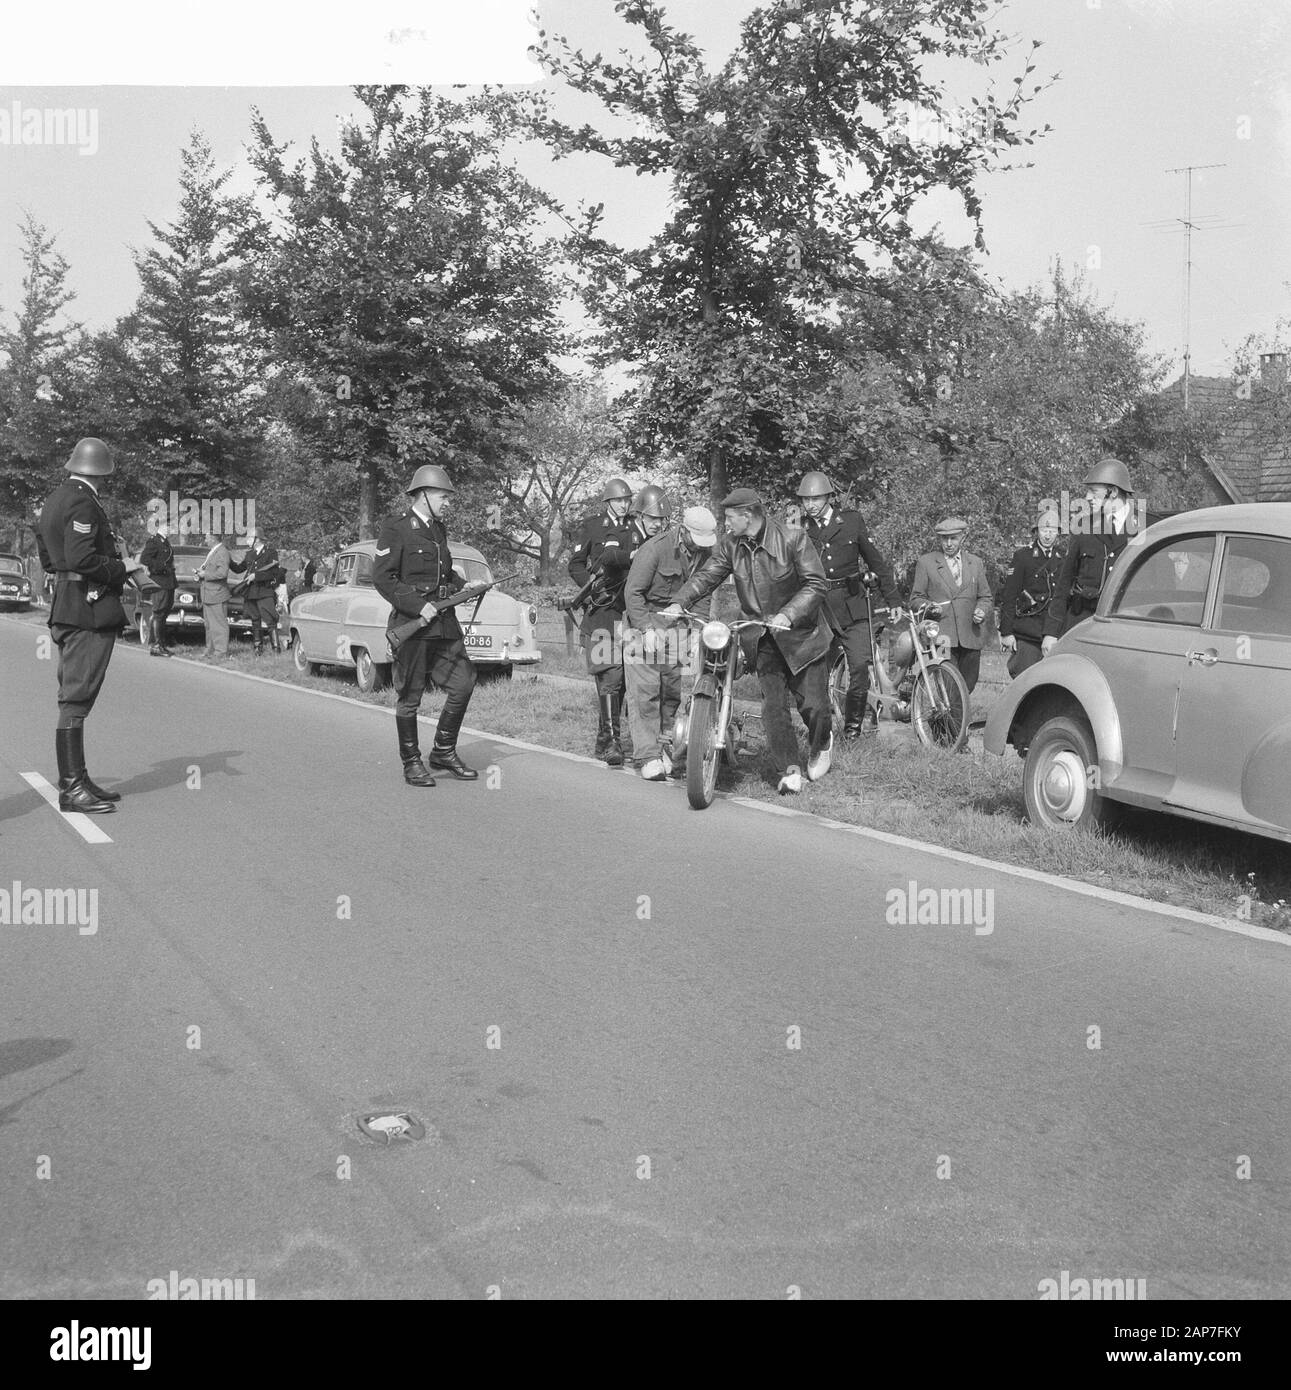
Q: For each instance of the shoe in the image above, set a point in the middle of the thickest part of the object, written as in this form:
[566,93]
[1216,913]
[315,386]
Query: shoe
[791,782]
[818,763]
[414,770]
[446,760]
[656,770]
[75,791]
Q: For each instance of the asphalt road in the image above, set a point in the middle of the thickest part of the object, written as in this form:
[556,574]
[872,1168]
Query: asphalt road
[944,1129]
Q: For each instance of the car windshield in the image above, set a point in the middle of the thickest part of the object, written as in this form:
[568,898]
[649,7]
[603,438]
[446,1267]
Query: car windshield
[474,571]
[187,561]
[10,566]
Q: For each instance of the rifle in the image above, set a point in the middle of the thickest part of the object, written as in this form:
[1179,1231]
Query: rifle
[577,600]
[398,635]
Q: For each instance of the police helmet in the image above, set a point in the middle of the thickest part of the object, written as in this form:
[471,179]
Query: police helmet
[91,458]
[430,475]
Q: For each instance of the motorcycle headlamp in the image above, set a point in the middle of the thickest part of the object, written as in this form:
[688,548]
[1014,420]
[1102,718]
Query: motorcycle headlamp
[715,636]
[928,630]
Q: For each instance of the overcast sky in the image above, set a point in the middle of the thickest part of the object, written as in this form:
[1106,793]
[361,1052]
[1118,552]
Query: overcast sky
[1146,85]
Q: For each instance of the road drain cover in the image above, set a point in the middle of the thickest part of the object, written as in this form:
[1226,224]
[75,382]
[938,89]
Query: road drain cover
[390,1126]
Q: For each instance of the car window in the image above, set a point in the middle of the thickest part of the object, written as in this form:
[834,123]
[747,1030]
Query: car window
[1255,587]
[8,566]
[363,574]
[1168,583]
[472,571]
[343,569]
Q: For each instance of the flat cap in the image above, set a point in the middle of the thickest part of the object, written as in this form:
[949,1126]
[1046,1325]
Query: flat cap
[951,526]
[701,524]
[742,497]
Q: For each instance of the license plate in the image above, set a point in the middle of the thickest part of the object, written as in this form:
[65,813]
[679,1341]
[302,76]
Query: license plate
[478,639]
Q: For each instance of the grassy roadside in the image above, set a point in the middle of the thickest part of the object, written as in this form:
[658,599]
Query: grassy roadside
[970,802]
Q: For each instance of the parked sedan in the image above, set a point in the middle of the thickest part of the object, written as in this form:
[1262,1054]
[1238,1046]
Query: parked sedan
[343,622]
[1176,693]
[186,615]
[15,585]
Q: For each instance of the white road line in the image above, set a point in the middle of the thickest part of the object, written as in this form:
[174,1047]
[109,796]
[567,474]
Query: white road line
[1069,885]
[79,822]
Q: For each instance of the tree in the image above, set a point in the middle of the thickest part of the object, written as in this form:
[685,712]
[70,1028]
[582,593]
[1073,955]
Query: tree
[788,166]
[37,428]
[406,280]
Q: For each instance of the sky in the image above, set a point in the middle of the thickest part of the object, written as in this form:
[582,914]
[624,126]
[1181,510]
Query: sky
[1145,86]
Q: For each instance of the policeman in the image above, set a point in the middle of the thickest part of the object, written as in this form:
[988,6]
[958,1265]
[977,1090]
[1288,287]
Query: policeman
[847,552]
[414,568]
[604,661]
[77,546]
[158,558]
[1028,590]
[1092,552]
[259,596]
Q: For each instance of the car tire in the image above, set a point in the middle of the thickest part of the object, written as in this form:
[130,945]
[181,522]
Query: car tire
[370,675]
[306,668]
[1056,778]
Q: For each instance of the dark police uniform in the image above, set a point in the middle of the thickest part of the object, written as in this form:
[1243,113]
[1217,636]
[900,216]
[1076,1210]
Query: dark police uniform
[1024,602]
[1080,581]
[413,567]
[847,551]
[158,558]
[77,546]
[259,597]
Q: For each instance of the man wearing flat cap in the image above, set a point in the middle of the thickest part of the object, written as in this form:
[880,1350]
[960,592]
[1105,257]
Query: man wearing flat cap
[956,579]
[655,652]
[778,578]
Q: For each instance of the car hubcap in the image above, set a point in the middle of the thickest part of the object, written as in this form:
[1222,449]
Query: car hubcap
[1062,786]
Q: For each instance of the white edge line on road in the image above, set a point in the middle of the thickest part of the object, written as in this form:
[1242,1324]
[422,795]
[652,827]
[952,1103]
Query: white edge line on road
[1070,885]
[79,822]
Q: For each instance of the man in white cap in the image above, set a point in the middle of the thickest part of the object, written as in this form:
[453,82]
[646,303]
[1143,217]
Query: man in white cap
[656,654]
[956,579]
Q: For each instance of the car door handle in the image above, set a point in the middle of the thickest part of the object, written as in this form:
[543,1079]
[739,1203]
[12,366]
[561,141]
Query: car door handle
[1207,658]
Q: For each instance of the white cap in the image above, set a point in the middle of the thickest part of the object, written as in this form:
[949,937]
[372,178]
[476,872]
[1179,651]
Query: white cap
[701,524]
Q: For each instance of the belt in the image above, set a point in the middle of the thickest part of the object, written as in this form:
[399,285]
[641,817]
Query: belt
[71,575]
[838,583]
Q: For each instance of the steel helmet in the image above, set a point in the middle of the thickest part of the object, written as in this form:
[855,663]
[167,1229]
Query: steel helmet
[652,501]
[616,487]
[1111,472]
[815,484]
[91,458]
[430,475]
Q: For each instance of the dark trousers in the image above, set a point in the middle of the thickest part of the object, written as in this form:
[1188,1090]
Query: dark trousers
[261,611]
[422,661]
[810,690]
[856,642]
[1027,654]
[968,661]
[82,663]
[163,600]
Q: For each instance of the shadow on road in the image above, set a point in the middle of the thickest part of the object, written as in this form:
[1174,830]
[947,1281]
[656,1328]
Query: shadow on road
[176,771]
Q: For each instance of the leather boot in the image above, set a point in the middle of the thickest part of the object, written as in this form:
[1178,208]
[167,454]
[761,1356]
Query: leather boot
[603,726]
[414,770]
[853,715]
[75,790]
[155,647]
[275,642]
[443,758]
[614,750]
[257,639]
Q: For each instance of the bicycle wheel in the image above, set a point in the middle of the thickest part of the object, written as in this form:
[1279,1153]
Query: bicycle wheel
[839,675]
[939,708]
[702,752]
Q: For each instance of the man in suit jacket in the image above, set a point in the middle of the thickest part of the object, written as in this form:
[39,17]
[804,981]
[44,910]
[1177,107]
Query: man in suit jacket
[956,579]
[158,558]
[259,597]
[214,574]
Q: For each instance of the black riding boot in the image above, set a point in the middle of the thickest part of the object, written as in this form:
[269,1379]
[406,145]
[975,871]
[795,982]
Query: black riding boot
[155,646]
[614,749]
[414,770]
[603,724]
[853,715]
[443,752]
[75,790]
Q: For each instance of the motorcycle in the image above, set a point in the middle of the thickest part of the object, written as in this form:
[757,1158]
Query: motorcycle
[917,684]
[702,729]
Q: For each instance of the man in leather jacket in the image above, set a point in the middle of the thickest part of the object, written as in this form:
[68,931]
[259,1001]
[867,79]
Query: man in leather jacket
[779,578]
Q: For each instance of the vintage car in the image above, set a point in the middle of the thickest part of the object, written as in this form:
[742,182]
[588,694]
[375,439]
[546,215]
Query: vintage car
[343,622]
[186,615]
[1175,694]
[15,584]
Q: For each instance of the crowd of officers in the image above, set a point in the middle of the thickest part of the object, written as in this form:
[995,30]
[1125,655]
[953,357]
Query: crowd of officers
[638,569]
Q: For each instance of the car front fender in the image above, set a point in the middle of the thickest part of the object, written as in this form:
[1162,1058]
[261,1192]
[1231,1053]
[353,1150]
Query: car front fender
[1056,683]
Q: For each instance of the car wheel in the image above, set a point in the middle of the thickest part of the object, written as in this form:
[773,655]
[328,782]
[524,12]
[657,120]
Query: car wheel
[306,668]
[1061,764]
[369,675]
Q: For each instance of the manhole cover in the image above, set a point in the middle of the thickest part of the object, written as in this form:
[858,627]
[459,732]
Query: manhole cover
[389,1126]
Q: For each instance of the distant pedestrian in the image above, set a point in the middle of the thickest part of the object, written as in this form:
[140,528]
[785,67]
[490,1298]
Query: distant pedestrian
[259,601]
[956,579]
[158,558]
[214,574]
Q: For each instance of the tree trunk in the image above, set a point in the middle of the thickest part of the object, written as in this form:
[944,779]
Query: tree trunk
[368,501]
[717,485]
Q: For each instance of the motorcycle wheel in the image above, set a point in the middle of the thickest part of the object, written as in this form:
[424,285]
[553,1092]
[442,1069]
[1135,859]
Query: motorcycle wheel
[702,752]
[939,708]
[839,676]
